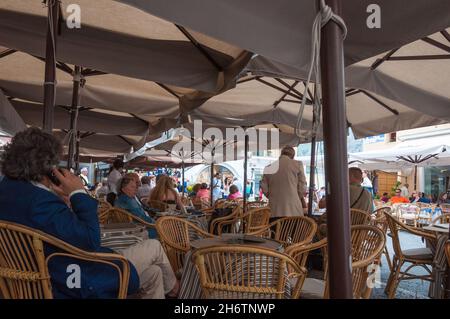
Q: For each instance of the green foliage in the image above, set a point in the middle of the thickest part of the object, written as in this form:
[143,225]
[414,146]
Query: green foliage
[396,186]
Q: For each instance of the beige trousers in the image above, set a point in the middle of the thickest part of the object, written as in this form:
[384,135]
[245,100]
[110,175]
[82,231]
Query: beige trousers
[155,273]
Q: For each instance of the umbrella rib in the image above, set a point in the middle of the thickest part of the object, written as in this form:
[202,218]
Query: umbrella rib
[436,44]
[291,88]
[246,80]
[446,35]
[60,65]
[87,134]
[125,140]
[420,57]
[90,72]
[378,62]
[7,52]
[199,47]
[275,104]
[138,118]
[277,88]
[351,92]
[168,89]
[393,111]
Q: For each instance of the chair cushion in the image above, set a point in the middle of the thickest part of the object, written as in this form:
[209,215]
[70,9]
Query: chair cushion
[312,288]
[418,253]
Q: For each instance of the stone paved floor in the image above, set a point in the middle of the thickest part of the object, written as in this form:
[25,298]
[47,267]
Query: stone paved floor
[407,289]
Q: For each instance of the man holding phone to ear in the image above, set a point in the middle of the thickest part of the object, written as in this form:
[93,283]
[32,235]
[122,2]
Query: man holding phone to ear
[30,198]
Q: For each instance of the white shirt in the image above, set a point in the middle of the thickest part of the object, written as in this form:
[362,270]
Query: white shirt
[405,191]
[366,182]
[144,191]
[113,178]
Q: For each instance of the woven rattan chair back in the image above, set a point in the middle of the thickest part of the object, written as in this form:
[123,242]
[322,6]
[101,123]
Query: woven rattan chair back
[359,217]
[156,204]
[442,219]
[246,272]
[291,230]
[24,270]
[176,235]
[256,219]
[368,243]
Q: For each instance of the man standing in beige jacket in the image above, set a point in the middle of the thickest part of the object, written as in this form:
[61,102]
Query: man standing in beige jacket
[284,183]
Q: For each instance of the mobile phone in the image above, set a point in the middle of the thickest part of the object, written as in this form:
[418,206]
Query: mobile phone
[53,178]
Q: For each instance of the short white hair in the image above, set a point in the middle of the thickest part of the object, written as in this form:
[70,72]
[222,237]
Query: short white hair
[84,169]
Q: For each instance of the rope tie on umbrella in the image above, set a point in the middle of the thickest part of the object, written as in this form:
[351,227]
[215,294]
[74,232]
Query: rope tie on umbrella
[322,18]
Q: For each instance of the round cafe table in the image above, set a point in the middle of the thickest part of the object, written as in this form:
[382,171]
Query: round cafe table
[229,239]
[190,281]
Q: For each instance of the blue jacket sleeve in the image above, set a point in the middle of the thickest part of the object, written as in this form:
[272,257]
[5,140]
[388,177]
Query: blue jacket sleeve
[78,226]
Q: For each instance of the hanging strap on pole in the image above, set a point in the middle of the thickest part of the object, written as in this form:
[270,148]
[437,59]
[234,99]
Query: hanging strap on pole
[322,18]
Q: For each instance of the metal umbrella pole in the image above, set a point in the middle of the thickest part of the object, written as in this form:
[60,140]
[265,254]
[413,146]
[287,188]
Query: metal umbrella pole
[336,167]
[212,179]
[50,66]
[182,177]
[245,173]
[74,116]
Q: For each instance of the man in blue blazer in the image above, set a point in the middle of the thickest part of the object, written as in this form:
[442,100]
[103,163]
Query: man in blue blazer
[29,196]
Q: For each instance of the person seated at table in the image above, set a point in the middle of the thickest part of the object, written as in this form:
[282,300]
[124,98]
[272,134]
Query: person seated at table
[126,199]
[385,198]
[164,191]
[398,198]
[195,190]
[360,198]
[443,199]
[234,192]
[145,188]
[424,199]
[203,192]
[30,196]
[414,197]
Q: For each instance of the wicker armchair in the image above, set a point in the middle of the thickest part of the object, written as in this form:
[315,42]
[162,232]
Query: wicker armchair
[409,214]
[156,204]
[256,204]
[421,257]
[289,230]
[24,270]
[367,245]
[445,208]
[312,288]
[175,235]
[379,220]
[247,272]
[442,219]
[359,217]
[220,222]
[252,221]
[118,215]
[103,205]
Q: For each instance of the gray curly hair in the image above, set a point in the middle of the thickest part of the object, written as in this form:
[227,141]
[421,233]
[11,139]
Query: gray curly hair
[30,155]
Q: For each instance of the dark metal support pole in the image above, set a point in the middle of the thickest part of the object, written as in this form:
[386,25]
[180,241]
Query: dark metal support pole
[77,154]
[312,172]
[182,178]
[415,177]
[336,167]
[211,182]
[74,116]
[50,66]
[312,165]
[245,173]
